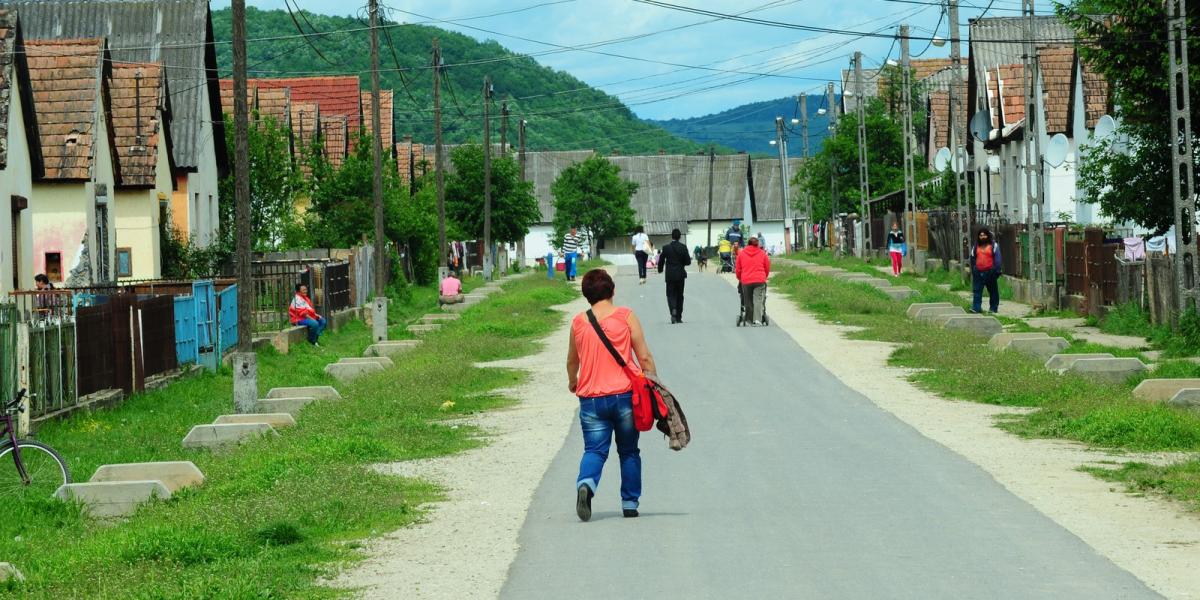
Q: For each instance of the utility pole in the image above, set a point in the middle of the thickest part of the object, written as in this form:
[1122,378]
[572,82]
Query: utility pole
[1033,165]
[379,327]
[245,362]
[808,216]
[864,182]
[958,158]
[712,160]
[833,191]
[1183,190]
[438,173]
[781,134]
[503,128]
[910,187]
[521,161]
[487,179]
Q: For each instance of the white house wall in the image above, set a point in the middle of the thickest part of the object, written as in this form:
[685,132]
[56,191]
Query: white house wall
[202,186]
[15,180]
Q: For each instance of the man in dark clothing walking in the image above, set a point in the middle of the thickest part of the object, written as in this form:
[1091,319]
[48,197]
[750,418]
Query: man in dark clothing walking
[675,257]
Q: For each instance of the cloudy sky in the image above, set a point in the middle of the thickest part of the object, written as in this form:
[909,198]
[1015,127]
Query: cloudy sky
[646,54]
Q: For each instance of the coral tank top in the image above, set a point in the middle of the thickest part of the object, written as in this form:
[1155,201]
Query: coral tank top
[599,373]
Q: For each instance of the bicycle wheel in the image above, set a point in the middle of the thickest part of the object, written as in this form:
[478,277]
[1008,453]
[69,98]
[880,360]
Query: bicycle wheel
[46,469]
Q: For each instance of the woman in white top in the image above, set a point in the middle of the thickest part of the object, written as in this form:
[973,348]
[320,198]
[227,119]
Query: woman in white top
[641,250]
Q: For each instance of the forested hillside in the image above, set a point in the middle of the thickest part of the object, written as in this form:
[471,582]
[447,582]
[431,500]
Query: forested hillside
[562,111]
[751,127]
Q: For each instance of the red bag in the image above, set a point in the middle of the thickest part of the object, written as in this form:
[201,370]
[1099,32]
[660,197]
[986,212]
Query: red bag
[648,404]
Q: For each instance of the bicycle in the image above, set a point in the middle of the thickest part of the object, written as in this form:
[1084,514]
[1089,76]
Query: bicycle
[40,470]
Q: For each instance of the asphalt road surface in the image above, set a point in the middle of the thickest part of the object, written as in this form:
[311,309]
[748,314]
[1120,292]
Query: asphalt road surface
[794,486]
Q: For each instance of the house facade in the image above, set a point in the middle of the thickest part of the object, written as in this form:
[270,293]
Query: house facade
[16,168]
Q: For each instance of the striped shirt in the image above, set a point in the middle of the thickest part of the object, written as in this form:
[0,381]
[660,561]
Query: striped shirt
[570,243]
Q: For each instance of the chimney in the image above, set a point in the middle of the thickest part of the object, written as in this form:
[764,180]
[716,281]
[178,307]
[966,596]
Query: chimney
[661,151]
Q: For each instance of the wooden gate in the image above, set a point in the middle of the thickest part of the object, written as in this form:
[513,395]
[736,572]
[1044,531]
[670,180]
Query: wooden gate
[96,362]
[156,318]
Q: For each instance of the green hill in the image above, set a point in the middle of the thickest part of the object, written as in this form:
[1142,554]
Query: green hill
[751,127]
[562,111]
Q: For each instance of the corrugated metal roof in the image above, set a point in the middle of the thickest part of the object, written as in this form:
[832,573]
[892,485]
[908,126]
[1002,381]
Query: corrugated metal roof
[542,168]
[176,33]
[768,193]
[674,188]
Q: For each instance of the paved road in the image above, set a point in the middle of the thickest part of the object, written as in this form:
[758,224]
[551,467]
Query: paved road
[795,487]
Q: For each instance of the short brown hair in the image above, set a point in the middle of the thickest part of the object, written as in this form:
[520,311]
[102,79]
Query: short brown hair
[597,285]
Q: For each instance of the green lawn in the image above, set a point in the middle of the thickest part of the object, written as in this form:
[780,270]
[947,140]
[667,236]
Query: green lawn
[275,514]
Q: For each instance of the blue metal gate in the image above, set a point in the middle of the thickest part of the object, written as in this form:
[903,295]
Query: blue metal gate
[186,346]
[206,323]
[227,319]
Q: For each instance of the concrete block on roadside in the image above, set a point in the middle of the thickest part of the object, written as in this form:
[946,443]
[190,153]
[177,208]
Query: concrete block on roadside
[1001,340]
[1161,390]
[458,308]
[875,282]
[175,475]
[217,436]
[898,292]
[382,361]
[291,406]
[1060,362]
[276,420]
[915,308]
[320,392]
[1188,398]
[113,498]
[927,315]
[434,317]
[423,328]
[1112,370]
[843,275]
[939,320]
[343,371]
[391,348]
[8,571]
[1042,348]
[977,324]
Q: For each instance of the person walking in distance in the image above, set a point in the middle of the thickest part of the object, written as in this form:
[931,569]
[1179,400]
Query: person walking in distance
[675,257]
[570,248]
[985,271]
[605,392]
[641,251]
[752,268]
[896,248]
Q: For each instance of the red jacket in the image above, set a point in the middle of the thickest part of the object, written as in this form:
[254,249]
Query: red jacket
[301,308]
[753,265]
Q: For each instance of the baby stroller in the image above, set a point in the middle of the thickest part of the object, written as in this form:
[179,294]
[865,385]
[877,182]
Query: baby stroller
[727,262]
[743,318]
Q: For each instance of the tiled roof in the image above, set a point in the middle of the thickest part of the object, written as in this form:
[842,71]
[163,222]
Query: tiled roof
[65,77]
[175,33]
[227,97]
[939,117]
[1095,95]
[1057,66]
[135,86]
[875,83]
[8,39]
[335,95]
[275,103]
[1006,95]
[333,127]
[996,41]
[385,116]
[304,120]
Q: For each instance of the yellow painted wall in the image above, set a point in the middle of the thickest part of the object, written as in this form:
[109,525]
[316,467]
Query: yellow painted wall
[60,217]
[179,204]
[138,219]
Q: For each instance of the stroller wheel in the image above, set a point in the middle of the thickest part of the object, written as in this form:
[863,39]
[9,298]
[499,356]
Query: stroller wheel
[765,321]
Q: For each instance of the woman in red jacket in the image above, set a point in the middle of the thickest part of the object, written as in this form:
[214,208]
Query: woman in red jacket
[752,269]
[301,312]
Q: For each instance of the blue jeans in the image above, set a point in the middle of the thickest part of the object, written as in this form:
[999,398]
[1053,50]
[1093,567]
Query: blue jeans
[315,327]
[570,270]
[979,281]
[601,417]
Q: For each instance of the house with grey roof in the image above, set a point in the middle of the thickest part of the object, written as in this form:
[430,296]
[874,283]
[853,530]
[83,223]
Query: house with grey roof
[179,35]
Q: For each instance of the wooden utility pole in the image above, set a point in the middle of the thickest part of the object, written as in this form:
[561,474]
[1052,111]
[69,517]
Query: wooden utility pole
[808,215]
[379,323]
[245,362]
[487,179]
[521,160]
[503,128]
[438,174]
[833,191]
[712,160]
[910,186]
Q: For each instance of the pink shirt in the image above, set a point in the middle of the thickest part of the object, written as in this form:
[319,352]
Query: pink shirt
[451,286]
[599,373]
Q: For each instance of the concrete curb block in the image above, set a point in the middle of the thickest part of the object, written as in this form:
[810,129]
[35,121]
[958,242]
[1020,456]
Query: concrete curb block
[1114,370]
[927,315]
[898,292]
[382,361]
[432,317]
[1061,362]
[1042,348]
[113,498]
[291,406]
[423,328]
[981,326]
[319,392]
[8,571]
[1187,398]
[391,349]
[345,371]
[1161,390]
[276,420]
[174,475]
[915,308]
[218,436]
[1001,340]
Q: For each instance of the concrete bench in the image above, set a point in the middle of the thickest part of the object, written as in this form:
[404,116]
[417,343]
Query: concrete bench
[391,348]
[928,314]
[979,325]
[875,282]
[1188,398]
[319,392]
[173,475]
[441,317]
[1001,340]
[113,498]
[291,406]
[276,420]
[917,307]
[344,371]
[1060,362]
[382,361]
[1112,370]
[844,275]
[423,328]
[1161,390]
[284,339]
[940,320]
[1042,348]
[898,292]
[341,318]
[218,436]
[8,571]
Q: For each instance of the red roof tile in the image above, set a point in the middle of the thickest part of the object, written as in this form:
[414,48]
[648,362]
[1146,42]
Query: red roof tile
[1096,96]
[335,95]
[65,80]
[1006,81]
[1057,66]
[275,103]
[304,120]
[136,90]
[385,116]
[335,130]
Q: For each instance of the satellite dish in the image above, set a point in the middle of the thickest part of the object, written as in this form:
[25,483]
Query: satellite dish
[1105,127]
[941,159]
[1057,149]
[981,125]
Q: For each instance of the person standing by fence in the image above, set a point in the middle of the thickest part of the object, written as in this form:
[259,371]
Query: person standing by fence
[896,248]
[641,251]
[985,271]
[570,248]
[301,312]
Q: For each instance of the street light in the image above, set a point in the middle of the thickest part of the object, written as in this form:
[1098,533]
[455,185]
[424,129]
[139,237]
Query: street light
[795,121]
[820,111]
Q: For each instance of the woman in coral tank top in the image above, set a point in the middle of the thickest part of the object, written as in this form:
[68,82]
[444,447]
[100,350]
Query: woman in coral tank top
[605,393]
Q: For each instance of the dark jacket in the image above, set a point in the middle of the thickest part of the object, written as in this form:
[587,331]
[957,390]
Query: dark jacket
[675,257]
[996,266]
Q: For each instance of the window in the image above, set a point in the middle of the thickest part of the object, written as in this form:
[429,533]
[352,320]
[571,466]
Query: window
[54,266]
[124,262]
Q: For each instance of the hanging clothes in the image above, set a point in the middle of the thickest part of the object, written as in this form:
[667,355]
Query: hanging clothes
[1135,248]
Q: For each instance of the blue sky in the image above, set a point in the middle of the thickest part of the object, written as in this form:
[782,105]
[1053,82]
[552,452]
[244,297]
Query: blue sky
[773,62]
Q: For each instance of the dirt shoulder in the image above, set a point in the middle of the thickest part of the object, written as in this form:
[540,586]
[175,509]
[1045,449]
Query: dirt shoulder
[465,547]
[1155,540]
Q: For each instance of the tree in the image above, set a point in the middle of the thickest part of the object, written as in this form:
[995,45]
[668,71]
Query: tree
[274,186]
[1129,49]
[592,196]
[514,207]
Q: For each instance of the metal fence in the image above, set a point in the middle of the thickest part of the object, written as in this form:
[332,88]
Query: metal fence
[337,287]
[42,325]
[227,319]
[8,350]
